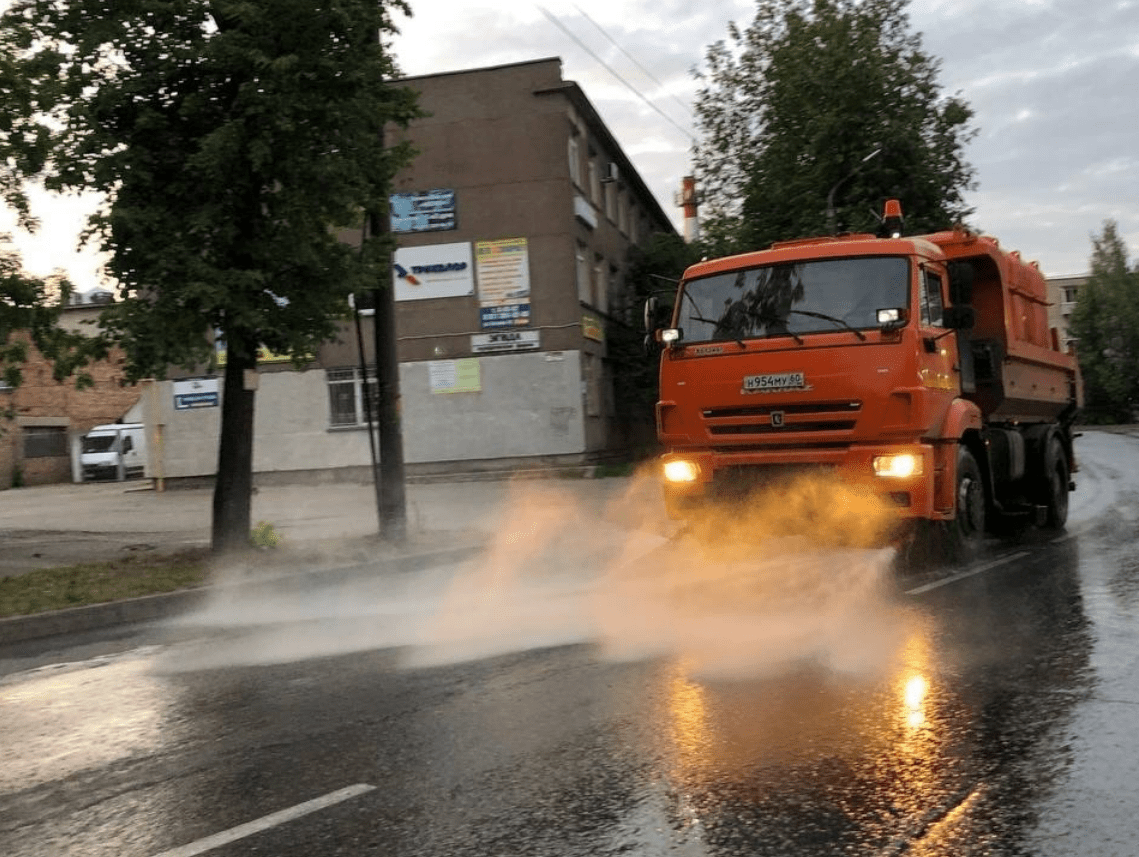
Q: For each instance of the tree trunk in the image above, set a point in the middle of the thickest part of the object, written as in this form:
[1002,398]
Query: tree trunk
[233,487]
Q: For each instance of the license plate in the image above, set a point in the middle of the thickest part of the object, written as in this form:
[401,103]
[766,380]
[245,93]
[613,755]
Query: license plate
[775,383]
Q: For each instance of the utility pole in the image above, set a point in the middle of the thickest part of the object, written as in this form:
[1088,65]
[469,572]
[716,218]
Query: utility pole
[389,475]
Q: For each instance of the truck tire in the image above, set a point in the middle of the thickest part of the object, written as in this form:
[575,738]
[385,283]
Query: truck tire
[1055,487]
[967,530]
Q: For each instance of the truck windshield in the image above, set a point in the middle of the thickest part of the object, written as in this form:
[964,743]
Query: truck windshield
[99,443]
[794,299]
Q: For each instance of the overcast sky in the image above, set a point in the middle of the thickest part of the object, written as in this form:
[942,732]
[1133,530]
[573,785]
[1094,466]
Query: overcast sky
[1053,84]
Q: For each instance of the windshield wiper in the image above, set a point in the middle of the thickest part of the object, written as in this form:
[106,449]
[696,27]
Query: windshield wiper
[825,317]
[767,319]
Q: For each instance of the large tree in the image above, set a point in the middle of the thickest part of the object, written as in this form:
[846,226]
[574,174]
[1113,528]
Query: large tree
[654,272]
[814,114]
[229,138]
[1106,324]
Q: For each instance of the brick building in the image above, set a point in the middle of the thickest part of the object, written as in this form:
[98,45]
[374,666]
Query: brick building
[40,444]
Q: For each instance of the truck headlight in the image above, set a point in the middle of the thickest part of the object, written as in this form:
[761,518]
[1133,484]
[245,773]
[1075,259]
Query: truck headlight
[681,471]
[898,466]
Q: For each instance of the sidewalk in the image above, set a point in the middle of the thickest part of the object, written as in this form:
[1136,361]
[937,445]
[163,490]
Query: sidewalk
[327,530]
[52,525]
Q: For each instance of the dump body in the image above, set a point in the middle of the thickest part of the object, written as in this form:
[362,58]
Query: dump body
[871,358]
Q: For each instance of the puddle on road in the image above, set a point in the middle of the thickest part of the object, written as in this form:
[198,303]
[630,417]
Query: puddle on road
[744,595]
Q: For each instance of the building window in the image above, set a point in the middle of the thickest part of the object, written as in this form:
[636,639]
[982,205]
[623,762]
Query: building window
[584,290]
[611,201]
[575,159]
[615,297]
[346,397]
[600,282]
[622,213]
[594,180]
[45,442]
[1071,293]
[592,384]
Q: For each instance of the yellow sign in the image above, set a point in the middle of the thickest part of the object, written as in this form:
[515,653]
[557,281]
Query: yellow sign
[591,328]
[264,355]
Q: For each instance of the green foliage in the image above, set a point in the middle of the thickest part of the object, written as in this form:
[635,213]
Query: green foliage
[1105,322]
[264,536]
[46,589]
[791,106]
[653,271]
[228,137]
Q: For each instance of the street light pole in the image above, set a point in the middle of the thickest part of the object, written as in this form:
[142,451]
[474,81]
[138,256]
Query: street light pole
[832,217]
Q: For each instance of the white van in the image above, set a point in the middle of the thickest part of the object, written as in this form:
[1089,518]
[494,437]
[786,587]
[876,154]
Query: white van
[113,451]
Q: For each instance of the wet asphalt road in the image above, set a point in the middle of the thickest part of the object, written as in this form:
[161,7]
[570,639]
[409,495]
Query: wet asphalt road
[991,710]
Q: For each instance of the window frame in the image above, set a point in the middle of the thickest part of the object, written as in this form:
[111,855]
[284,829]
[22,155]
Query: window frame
[343,376]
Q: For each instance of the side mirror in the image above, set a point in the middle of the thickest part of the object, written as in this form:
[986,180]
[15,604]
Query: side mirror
[651,307]
[959,317]
[960,283]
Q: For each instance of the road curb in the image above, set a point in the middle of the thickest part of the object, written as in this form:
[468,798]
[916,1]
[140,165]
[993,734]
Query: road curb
[164,605]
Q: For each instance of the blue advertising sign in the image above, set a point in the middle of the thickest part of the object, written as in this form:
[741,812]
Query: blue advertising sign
[423,211]
[508,315]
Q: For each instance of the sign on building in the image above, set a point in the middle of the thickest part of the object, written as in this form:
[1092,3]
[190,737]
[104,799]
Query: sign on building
[592,328]
[504,282]
[423,211]
[196,393]
[433,271]
[505,340]
[454,376]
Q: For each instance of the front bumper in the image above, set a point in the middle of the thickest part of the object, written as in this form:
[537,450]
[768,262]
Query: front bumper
[728,476]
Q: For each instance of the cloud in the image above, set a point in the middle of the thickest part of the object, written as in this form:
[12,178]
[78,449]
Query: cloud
[1052,87]
[1051,83]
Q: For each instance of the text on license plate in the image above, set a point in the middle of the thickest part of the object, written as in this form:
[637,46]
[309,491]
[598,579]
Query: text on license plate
[775,383]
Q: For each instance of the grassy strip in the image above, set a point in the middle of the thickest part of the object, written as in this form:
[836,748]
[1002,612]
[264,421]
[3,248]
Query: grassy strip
[98,582]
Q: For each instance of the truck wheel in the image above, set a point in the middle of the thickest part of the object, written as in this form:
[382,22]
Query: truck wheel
[968,529]
[1055,486]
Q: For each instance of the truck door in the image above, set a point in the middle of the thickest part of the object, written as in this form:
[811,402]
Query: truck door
[939,358]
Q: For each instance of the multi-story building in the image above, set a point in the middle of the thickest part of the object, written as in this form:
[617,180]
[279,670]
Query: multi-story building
[1063,292]
[514,225]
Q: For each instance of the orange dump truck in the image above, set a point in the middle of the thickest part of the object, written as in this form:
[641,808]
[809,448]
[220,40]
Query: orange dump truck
[922,366]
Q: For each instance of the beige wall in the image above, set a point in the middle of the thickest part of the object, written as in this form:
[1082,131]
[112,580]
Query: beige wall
[527,405]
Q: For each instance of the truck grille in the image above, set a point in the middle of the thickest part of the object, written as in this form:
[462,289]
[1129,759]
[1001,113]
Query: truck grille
[780,419]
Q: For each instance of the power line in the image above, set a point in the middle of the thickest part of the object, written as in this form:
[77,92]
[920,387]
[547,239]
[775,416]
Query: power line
[631,58]
[629,86]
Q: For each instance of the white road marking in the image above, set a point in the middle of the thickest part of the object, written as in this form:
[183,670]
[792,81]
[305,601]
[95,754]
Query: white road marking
[1004,560]
[266,822]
